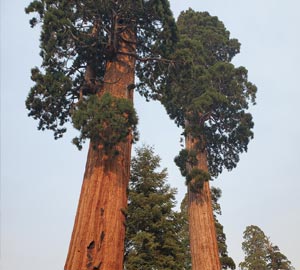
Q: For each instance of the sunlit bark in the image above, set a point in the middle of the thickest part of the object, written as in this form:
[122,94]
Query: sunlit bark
[98,235]
[203,239]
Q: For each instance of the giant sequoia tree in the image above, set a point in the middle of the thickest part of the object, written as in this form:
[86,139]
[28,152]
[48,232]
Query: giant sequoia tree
[208,97]
[90,51]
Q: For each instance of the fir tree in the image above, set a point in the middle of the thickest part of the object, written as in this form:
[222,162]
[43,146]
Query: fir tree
[208,97]
[91,51]
[152,240]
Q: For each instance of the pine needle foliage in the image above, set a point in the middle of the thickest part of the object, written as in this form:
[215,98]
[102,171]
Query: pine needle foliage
[152,232]
[80,37]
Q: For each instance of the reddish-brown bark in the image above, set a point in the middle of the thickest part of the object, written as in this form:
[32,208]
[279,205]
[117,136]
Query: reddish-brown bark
[98,235]
[203,239]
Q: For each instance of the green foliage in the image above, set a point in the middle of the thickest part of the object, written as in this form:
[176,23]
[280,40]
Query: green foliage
[196,178]
[260,253]
[207,95]
[186,161]
[107,120]
[276,260]
[181,161]
[185,157]
[152,240]
[47,101]
[216,39]
[76,35]
[226,261]
[255,248]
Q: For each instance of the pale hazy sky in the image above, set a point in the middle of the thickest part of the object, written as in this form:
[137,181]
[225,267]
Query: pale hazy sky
[41,178]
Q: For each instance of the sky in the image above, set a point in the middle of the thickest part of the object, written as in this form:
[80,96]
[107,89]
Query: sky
[41,177]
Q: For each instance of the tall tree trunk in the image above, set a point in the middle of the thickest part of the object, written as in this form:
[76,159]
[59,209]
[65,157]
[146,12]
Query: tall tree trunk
[203,239]
[98,235]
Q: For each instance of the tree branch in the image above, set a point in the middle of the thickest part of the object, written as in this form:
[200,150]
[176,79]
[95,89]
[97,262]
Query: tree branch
[147,58]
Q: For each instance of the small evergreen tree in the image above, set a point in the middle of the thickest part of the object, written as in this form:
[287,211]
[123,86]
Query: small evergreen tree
[260,253]
[152,239]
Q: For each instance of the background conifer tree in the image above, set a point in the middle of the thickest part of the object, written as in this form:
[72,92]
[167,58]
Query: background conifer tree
[91,51]
[260,253]
[277,260]
[152,239]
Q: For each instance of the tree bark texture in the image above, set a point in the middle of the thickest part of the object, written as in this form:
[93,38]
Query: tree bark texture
[203,239]
[97,240]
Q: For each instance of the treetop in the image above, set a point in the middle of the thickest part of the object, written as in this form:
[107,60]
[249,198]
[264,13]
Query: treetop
[79,38]
[205,93]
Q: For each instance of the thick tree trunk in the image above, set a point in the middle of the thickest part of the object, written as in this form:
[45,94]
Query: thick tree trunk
[98,235]
[203,239]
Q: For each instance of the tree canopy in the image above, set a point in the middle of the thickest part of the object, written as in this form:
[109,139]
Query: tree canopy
[205,93]
[78,39]
[152,240]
